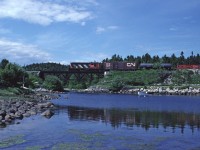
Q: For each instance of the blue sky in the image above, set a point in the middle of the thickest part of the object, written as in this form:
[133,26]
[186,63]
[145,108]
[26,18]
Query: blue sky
[34,31]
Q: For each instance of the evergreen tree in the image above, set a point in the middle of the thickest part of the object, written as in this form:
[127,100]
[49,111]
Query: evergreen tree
[146,58]
[181,60]
[3,63]
[173,60]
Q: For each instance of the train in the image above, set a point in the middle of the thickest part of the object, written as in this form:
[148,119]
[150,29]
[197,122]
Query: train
[122,66]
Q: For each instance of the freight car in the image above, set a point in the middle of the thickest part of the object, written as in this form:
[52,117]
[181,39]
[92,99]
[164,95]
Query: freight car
[120,66]
[167,66]
[188,67]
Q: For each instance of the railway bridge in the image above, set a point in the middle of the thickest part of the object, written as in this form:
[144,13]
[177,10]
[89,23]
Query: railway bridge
[78,74]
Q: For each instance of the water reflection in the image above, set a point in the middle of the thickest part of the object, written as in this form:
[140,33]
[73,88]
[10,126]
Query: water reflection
[133,117]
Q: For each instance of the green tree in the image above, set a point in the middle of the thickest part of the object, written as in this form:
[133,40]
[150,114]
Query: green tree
[165,59]
[117,84]
[156,59]
[34,81]
[12,75]
[173,60]
[130,58]
[3,63]
[116,58]
[53,83]
[146,58]
[181,59]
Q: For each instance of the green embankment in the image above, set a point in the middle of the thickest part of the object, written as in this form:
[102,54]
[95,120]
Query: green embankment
[13,92]
[117,80]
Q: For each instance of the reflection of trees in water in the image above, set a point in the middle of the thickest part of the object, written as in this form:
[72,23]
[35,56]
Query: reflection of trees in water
[130,117]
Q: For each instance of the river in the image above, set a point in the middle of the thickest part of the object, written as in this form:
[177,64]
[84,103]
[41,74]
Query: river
[110,122]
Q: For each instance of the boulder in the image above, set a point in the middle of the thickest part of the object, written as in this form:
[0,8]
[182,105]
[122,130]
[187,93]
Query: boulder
[32,112]
[48,113]
[2,112]
[1,118]
[27,114]
[44,105]
[8,118]
[18,115]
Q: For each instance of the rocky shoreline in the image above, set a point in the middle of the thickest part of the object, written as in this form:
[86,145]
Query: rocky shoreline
[150,90]
[20,107]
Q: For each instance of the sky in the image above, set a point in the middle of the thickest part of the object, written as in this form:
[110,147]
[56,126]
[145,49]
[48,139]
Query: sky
[64,31]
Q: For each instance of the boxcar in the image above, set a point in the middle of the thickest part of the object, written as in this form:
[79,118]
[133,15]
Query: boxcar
[119,65]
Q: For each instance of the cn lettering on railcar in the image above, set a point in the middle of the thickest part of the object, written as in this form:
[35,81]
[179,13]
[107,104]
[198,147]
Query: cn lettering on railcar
[130,65]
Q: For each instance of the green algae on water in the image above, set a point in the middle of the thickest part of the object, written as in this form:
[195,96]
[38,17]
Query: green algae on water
[35,148]
[71,146]
[11,141]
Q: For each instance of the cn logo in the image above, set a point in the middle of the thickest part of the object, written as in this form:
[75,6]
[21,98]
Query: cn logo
[130,64]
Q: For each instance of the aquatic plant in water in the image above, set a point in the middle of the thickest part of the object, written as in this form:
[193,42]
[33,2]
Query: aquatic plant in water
[35,148]
[71,146]
[11,141]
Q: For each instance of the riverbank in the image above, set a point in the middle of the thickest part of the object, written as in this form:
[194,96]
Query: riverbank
[20,106]
[154,90]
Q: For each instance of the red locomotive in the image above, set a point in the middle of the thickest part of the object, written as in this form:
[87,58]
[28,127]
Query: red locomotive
[85,65]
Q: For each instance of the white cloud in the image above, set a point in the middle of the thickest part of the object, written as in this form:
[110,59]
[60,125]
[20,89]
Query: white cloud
[112,27]
[173,29]
[83,2]
[22,53]
[83,23]
[43,12]
[100,30]
[4,30]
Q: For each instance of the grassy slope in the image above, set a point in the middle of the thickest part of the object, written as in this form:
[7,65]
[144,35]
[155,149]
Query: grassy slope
[13,92]
[142,78]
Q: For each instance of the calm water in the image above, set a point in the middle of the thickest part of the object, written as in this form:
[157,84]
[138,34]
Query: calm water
[101,121]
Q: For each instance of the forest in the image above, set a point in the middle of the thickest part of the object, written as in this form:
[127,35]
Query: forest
[147,58]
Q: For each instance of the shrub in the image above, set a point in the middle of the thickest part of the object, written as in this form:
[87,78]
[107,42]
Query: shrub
[12,75]
[116,85]
[34,81]
[53,83]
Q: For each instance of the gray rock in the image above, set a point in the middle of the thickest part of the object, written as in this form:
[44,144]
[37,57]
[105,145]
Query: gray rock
[18,115]
[48,113]
[12,110]
[8,118]
[44,105]
[22,111]
[32,112]
[27,114]
[1,118]
[2,112]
